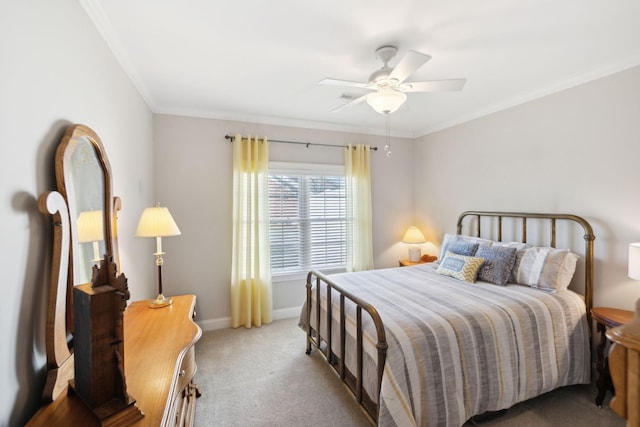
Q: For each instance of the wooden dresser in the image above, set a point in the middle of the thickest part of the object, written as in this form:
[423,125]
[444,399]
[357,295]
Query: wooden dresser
[159,366]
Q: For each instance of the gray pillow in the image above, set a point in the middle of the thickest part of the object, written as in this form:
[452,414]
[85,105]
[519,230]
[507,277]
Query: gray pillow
[449,238]
[462,247]
[498,263]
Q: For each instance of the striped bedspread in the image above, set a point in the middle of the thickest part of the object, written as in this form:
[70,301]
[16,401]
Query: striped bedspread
[459,349]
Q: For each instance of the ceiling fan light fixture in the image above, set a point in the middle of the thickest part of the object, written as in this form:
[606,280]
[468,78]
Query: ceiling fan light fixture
[386,100]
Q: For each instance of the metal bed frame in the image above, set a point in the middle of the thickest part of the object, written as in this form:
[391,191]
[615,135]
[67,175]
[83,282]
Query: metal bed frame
[354,380]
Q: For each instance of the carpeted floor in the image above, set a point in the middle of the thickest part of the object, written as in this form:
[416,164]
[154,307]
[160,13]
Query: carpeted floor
[261,377]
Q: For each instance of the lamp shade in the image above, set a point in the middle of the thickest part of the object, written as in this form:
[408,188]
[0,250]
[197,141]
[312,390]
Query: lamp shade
[413,235]
[90,226]
[634,261]
[386,100]
[157,222]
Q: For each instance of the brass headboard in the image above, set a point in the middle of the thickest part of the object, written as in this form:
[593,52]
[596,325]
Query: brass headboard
[588,236]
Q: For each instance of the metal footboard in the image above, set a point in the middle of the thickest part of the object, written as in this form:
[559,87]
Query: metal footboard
[353,380]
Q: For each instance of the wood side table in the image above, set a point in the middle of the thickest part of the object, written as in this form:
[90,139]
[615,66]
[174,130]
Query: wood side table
[407,263]
[423,260]
[624,361]
[606,317]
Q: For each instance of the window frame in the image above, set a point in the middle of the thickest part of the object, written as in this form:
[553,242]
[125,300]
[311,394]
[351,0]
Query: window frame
[307,169]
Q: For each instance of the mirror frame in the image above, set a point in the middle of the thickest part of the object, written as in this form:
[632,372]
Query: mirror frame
[63,166]
[59,327]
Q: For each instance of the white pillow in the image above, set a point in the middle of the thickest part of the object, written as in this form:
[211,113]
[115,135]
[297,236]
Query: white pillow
[544,268]
[517,245]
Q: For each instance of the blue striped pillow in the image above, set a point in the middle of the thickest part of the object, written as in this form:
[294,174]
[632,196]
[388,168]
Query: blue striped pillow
[544,268]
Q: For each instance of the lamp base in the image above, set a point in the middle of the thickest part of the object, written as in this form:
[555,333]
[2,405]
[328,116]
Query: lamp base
[414,253]
[160,301]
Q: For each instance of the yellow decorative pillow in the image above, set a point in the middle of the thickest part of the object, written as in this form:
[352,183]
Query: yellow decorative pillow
[460,267]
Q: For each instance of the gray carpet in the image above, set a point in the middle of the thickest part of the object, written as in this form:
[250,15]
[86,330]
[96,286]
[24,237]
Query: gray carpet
[261,377]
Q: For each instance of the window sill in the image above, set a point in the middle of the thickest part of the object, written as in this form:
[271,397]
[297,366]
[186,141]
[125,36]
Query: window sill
[290,277]
[302,277]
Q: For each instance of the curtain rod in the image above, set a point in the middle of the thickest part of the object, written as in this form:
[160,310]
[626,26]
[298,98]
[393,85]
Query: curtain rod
[231,138]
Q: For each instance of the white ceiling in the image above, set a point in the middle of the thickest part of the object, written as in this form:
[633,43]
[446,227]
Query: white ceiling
[260,61]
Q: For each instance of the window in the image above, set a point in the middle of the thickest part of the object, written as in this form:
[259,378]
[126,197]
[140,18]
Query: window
[307,213]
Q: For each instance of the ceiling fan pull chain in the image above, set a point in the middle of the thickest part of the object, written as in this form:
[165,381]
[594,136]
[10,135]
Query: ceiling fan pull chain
[387,145]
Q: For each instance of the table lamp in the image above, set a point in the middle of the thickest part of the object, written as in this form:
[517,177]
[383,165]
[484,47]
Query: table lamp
[157,222]
[91,230]
[414,236]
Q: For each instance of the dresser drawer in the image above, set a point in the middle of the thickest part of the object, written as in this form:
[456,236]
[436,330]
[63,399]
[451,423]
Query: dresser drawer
[185,406]
[187,369]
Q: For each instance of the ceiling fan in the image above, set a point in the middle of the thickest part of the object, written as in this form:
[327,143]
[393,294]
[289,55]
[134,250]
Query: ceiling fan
[389,83]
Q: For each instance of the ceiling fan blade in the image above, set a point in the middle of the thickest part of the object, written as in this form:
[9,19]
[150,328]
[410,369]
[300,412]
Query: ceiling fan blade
[408,64]
[433,85]
[354,101]
[336,82]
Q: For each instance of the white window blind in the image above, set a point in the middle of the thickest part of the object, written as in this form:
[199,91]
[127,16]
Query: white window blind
[307,212]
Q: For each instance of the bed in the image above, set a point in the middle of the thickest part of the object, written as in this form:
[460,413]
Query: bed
[424,346]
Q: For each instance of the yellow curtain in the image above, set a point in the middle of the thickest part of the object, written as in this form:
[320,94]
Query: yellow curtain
[251,296]
[359,217]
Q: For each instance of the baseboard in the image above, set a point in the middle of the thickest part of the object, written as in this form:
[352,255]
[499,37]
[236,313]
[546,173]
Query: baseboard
[213,324]
[286,313]
[225,322]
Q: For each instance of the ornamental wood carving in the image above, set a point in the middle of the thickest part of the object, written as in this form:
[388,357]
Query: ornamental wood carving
[99,346]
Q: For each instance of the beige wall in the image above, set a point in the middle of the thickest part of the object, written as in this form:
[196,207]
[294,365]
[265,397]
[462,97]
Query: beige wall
[576,152]
[194,179]
[57,70]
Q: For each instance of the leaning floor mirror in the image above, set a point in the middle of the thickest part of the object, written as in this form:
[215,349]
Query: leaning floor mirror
[87,292]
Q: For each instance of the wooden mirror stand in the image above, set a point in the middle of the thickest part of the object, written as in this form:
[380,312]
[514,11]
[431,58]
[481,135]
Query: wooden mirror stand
[84,331]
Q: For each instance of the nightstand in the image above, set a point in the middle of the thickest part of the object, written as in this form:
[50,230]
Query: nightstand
[606,317]
[407,263]
[425,259]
